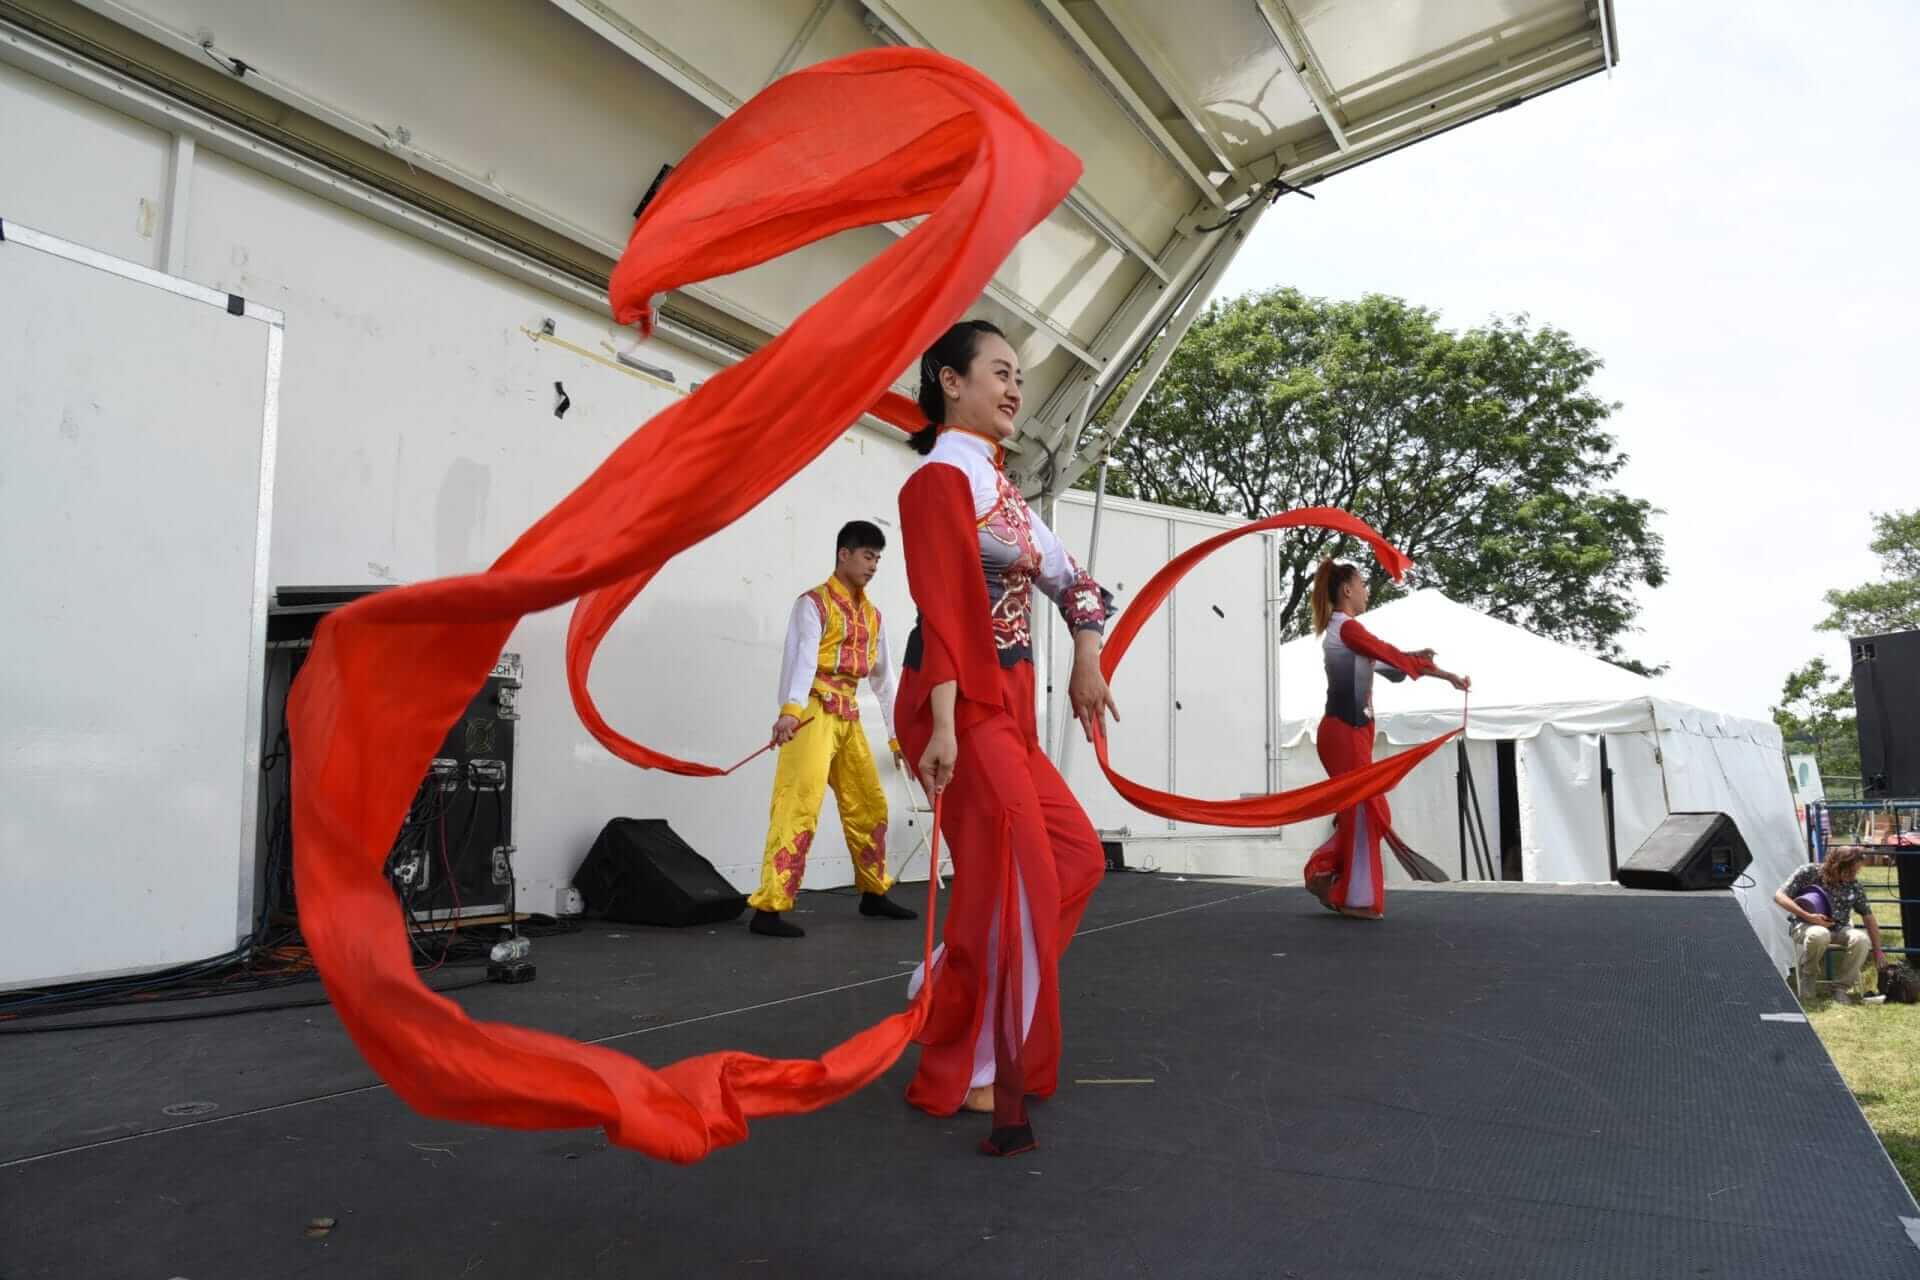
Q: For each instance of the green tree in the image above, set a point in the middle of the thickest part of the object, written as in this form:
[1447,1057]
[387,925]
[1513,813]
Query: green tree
[1892,603]
[1483,454]
[1816,705]
[1815,714]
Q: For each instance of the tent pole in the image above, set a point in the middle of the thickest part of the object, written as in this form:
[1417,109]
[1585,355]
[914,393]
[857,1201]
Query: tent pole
[1460,802]
[1482,857]
[1099,506]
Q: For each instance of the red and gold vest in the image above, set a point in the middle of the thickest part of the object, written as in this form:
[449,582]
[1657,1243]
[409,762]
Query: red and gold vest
[849,646]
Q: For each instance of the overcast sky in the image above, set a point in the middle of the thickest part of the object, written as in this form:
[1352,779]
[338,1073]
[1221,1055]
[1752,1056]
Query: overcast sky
[1730,223]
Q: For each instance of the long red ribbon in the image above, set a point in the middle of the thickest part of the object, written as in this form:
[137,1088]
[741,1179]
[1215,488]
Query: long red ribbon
[881,135]
[874,137]
[1284,807]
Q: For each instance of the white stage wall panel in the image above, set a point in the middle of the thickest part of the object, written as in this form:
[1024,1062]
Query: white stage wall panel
[136,452]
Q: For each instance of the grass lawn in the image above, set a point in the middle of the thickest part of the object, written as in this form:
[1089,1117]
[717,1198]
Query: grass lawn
[1877,1048]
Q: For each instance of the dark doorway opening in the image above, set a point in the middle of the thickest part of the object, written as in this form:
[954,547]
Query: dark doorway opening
[1509,770]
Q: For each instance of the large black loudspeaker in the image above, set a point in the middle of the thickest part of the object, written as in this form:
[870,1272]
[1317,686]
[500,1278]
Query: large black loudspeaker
[640,872]
[1688,851]
[1886,696]
[1886,702]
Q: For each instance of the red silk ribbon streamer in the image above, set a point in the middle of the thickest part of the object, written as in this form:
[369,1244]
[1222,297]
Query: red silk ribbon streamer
[1282,807]
[881,135]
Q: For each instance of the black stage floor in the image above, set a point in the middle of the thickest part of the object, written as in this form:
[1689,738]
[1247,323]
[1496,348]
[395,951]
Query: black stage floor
[1486,1085]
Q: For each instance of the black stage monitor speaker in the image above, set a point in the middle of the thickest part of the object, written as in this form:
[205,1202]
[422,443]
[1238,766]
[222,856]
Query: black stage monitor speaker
[1688,851]
[640,872]
[1886,696]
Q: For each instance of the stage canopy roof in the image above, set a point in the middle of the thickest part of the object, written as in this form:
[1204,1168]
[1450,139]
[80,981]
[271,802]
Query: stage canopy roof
[538,124]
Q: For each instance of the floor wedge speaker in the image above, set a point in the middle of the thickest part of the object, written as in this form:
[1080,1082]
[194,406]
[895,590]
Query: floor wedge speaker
[640,872]
[1688,851]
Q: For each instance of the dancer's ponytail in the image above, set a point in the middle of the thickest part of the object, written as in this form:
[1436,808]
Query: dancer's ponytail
[1322,606]
[1328,581]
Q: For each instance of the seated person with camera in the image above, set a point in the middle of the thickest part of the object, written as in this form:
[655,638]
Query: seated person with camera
[1820,900]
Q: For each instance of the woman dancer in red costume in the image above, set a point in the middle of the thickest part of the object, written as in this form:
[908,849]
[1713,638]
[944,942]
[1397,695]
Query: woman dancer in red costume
[1022,848]
[1344,873]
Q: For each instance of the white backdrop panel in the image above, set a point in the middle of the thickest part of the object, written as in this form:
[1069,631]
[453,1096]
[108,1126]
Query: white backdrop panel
[132,440]
[1639,792]
[1563,833]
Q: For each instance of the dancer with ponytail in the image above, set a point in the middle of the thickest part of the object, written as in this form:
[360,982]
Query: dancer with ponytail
[1026,859]
[1344,873]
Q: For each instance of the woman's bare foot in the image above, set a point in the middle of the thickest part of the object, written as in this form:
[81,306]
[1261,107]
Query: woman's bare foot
[979,1100]
[1354,913]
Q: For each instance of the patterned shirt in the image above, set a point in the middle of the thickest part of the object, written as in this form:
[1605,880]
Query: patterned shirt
[1017,551]
[1845,899]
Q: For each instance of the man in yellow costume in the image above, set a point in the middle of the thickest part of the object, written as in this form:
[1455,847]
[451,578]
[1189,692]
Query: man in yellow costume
[834,640]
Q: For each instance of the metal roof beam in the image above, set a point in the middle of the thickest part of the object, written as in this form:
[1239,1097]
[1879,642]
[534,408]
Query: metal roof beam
[1109,228]
[1167,82]
[1306,68]
[637,44]
[643,48]
[888,25]
[1519,74]
[1129,98]
[1603,14]
[801,38]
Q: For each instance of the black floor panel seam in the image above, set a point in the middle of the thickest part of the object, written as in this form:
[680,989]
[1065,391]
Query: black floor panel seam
[749,1008]
[248,1114]
[1198,906]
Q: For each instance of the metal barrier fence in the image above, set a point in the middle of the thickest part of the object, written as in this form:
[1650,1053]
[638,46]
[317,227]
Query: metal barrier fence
[1888,829]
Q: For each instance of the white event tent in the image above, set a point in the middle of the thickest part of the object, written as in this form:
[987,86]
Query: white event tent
[1546,721]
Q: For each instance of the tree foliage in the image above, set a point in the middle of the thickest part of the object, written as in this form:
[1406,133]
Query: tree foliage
[1816,704]
[1893,602]
[1815,714]
[1484,455]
